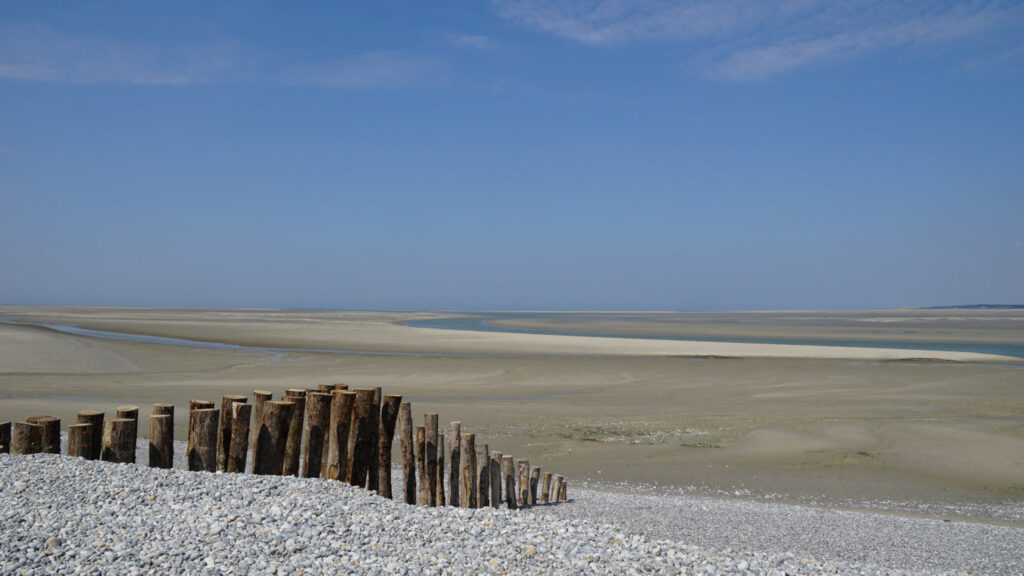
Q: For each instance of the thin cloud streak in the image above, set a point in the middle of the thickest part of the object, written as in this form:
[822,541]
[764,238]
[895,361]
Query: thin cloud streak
[383,69]
[747,40]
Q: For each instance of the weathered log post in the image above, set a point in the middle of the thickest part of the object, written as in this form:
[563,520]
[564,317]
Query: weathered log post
[439,492]
[271,437]
[26,438]
[388,416]
[422,497]
[293,446]
[373,455]
[259,399]
[50,436]
[161,441]
[335,466]
[93,418]
[467,472]
[360,438]
[405,440]
[202,452]
[454,471]
[483,476]
[508,471]
[430,461]
[556,488]
[131,413]
[117,441]
[534,481]
[545,492]
[495,467]
[80,440]
[224,429]
[238,450]
[562,490]
[5,437]
[194,405]
[524,483]
[318,416]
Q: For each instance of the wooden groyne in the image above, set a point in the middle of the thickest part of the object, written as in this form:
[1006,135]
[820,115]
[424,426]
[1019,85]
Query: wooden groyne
[329,432]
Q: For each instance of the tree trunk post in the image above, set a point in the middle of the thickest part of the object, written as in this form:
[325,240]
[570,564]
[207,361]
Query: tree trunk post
[556,488]
[26,438]
[483,476]
[131,413]
[5,437]
[388,415]
[405,440]
[117,442]
[360,438]
[80,440]
[508,470]
[467,471]
[495,467]
[93,418]
[224,429]
[562,490]
[430,461]
[259,400]
[545,492]
[161,441]
[373,456]
[293,447]
[50,437]
[454,471]
[194,405]
[202,453]
[534,481]
[238,450]
[318,416]
[523,482]
[272,437]
[335,466]
[439,492]
[423,497]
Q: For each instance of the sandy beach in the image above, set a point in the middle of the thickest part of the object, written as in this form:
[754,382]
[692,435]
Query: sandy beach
[861,428]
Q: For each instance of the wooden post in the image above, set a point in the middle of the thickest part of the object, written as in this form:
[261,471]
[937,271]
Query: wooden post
[202,452]
[93,418]
[335,465]
[423,497]
[562,490]
[430,461]
[161,441]
[271,437]
[440,490]
[556,488]
[5,437]
[360,438]
[238,450]
[373,462]
[508,470]
[467,471]
[259,399]
[50,437]
[293,446]
[524,483]
[26,438]
[408,458]
[483,476]
[454,471]
[318,415]
[224,428]
[80,440]
[131,413]
[117,441]
[545,492]
[495,482]
[388,415]
[194,405]
[534,481]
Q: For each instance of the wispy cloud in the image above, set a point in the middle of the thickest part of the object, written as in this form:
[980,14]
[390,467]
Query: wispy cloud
[749,39]
[33,52]
[385,69]
[472,42]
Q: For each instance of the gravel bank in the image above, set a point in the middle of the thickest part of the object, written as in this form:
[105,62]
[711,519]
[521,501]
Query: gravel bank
[71,516]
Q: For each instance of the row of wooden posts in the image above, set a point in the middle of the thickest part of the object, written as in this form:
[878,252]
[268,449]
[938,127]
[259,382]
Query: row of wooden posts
[341,434]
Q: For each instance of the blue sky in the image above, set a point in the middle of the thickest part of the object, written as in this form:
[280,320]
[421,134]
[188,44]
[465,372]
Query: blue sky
[630,154]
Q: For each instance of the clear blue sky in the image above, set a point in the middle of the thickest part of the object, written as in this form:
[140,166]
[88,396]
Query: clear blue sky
[722,154]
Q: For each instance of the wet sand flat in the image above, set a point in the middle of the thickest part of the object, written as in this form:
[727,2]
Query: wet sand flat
[845,429]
